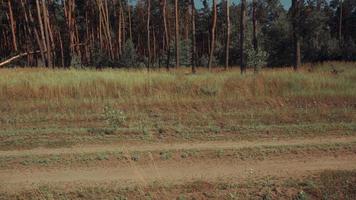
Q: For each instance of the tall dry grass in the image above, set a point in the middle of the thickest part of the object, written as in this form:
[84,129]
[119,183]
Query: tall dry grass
[126,85]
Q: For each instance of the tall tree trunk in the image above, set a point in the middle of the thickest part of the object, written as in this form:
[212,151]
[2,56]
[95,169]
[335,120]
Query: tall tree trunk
[212,40]
[51,43]
[47,33]
[254,30]
[192,6]
[119,29]
[228,32]
[13,26]
[123,22]
[296,38]
[177,31]
[148,34]
[153,59]
[340,22]
[242,36]
[44,44]
[130,24]
[107,22]
[34,30]
[166,32]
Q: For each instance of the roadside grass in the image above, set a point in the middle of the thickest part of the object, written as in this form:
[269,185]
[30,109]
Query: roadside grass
[62,108]
[132,85]
[144,157]
[54,108]
[148,131]
[333,185]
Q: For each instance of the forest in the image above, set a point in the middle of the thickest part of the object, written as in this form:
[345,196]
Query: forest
[177,99]
[174,33]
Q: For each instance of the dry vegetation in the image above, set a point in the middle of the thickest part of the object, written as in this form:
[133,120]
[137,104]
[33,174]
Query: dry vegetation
[69,106]
[275,115]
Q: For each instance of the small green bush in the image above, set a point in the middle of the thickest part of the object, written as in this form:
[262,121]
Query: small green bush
[114,118]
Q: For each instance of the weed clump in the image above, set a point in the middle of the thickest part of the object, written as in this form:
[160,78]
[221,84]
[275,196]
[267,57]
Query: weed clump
[114,118]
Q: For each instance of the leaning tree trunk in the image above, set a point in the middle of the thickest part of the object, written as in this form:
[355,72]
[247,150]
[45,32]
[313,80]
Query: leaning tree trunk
[193,37]
[29,18]
[44,44]
[212,42]
[242,36]
[228,32]
[48,34]
[13,26]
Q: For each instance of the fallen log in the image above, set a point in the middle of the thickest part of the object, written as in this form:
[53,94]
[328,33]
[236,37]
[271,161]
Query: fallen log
[7,61]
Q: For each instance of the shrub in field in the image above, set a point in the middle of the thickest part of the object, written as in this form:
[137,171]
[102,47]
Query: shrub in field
[114,118]
[209,90]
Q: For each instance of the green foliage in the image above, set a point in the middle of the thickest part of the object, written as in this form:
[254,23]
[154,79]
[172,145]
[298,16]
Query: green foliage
[129,57]
[256,59]
[76,62]
[203,61]
[302,196]
[100,58]
[185,54]
[277,42]
[209,90]
[120,197]
[114,118]
[165,155]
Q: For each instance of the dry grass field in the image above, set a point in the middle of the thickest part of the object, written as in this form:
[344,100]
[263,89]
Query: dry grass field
[124,134]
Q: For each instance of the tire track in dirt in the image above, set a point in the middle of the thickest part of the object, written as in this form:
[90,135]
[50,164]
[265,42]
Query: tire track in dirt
[174,172]
[177,146]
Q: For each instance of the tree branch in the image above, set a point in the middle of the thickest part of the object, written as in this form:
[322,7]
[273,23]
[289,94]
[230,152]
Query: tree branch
[7,61]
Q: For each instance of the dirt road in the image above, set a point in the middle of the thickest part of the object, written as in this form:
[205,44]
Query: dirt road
[177,146]
[172,171]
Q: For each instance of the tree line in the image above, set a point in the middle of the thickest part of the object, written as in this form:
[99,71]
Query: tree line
[175,33]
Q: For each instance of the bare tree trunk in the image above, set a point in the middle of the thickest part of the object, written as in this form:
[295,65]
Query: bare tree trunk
[228,32]
[193,37]
[340,23]
[123,26]
[51,44]
[212,41]
[177,31]
[153,59]
[295,13]
[148,34]
[119,30]
[130,24]
[47,34]
[107,22]
[44,44]
[167,39]
[13,26]
[242,36]
[254,30]
[29,17]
